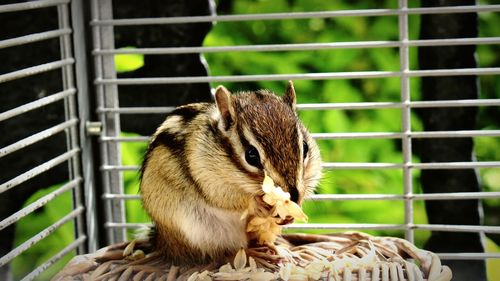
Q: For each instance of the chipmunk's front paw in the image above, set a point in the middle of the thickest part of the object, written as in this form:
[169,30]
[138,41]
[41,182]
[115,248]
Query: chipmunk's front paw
[261,208]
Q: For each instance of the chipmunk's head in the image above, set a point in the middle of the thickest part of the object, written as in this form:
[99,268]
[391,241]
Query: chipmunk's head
[263,134]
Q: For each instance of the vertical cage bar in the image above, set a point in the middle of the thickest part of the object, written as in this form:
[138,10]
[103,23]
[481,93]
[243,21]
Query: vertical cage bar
[83,98]
[404,60]
[108,97]
[70,113]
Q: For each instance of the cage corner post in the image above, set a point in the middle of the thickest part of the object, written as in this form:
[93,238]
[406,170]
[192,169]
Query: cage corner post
[84,115]
[107,97]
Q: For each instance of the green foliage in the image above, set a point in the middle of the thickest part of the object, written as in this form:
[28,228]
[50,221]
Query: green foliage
[128,62]
[52,244]
[132,153]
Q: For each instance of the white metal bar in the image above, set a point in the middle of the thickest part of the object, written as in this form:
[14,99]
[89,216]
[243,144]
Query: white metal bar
[423,197]
[78,24]
[126,225]
[456,165]
[30,5]
[404,61]
[301,47]
[360,165]
[357,197]
[38,170]
[108,168]
[362,135]
[441,165]
[415,135]
[70,113]
[248,78]
[396,105]
[125,139]
[468,256]
[299,15]
[35,70]
[109,196]
[136,110]
[457,228]
[41,235]
[108,97]
[329,106]
[37,137]
[362,226]
[35,37]
[36,104]
[301,76]
[78,242]
[455,103]
[346,226]
[39,203]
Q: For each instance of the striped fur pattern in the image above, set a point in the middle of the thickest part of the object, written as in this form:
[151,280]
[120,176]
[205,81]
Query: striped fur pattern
[196,181]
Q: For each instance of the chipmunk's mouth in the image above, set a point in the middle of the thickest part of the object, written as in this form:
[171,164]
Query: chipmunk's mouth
[285,221]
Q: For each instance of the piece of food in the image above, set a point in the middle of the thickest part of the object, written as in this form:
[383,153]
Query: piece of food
[267,228]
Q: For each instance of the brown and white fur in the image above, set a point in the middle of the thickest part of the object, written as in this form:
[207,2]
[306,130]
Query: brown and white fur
[196,181]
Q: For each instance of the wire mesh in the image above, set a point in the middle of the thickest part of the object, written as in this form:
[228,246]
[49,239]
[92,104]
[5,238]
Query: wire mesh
[78,152]
[64,100]
[405,105]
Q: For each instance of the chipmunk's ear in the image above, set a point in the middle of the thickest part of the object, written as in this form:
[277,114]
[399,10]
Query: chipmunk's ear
[289,96]
[225,107]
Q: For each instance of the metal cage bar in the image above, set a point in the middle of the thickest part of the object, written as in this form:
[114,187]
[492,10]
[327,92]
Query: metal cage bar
[301,47]
[298,15]
[66,99]
[79,152]
[107,96]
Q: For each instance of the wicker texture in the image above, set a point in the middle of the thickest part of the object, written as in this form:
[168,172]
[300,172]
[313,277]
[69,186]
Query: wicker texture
[345,256]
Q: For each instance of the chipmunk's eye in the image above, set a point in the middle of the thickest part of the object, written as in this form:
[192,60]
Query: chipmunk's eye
[305,149]
[252,156]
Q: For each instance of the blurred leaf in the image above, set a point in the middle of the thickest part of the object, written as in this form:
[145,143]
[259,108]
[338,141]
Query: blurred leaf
[128,62]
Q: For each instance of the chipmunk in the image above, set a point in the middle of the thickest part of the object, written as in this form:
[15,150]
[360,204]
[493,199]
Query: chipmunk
[205,165]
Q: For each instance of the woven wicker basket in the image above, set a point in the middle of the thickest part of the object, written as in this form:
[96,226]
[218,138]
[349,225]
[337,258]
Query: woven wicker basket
[346,256]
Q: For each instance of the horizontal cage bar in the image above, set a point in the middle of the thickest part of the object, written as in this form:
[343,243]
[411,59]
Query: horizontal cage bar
[136,110]
[447,228]
[415,135]
[364,226]
[302,76]
[301,47]
[357,197]
[38,170]
[441,165]
[299,15]
[430,196]
[468,256]
[37,137]
[36,104]
[361,165]
[35,70]
[124,139]
[41,268]
[39,203]
[457,228]
[34,38]
[41,235]
[30,5]
[329,106]
[361,135]
[397,105]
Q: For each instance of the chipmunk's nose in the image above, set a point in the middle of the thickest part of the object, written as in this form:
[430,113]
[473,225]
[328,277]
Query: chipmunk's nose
[294,194]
